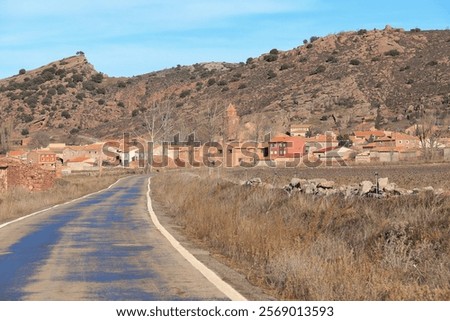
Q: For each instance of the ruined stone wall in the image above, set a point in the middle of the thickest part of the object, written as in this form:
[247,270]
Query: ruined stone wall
[30,177]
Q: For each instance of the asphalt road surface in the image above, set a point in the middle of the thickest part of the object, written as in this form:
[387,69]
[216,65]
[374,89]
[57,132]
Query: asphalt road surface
[103,247]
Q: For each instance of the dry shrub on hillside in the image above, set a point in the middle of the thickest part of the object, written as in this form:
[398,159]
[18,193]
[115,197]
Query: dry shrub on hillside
[306,248]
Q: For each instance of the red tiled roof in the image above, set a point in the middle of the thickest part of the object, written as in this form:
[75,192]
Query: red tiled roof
[80,159]
[403,136]
[286,139]
[368,133]
[16,153]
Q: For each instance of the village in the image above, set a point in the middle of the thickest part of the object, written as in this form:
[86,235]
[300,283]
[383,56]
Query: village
[36,169]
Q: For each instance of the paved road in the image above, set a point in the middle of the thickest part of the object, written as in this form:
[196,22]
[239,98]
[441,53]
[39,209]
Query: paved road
[103,247]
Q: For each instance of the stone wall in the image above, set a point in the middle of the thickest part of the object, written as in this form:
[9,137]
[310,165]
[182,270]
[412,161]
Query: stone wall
[31,177]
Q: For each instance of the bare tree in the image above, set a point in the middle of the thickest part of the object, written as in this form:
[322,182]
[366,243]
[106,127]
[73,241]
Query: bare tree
[262,127]
[158,120]
[429,135]
[209,125]
[6,129]
[39,140]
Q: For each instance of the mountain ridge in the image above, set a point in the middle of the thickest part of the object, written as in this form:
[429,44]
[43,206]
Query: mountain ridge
[386,78]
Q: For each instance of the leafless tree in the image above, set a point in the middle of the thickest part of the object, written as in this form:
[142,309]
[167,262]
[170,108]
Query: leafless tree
[262,127]
[39,140]
[158,120]
[209,126]
[6,129]
[429,135]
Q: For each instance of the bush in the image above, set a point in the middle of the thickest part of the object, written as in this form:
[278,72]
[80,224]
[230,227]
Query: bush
[121,84]
[309,46]
[222,83]
[313,38]
[101,102]
[77,78]
[120,104]
[134,113]
[24,132]
[332,59]
[404,68]
[270,57]
[47,76]
[355,62]
[89,85]
[65,114]
[98,78]
[101,91]
[61,90]
[185,93]
[432,63]
[242,86]
[392,53]
[286,66]
[249,60]
[416,30]
[211,81]
[31,101]
[74,131]
[80,96]
[274,51]
[318,70]
[26,118]
[271,74]
[47,100]
[22,71]
[361,32]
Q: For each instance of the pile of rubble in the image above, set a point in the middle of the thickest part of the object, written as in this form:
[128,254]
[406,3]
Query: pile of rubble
[324,187]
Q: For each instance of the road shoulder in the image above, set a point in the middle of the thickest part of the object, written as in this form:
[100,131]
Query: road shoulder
[227,274]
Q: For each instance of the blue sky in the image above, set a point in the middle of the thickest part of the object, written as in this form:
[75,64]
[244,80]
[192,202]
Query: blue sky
[132,37]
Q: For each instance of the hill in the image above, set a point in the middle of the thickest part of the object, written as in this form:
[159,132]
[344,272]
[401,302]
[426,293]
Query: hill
[388,78]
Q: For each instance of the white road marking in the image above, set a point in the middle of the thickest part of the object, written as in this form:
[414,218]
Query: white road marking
[224,287]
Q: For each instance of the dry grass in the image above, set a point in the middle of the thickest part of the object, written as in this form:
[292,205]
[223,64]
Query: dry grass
[306,248]
[18,202]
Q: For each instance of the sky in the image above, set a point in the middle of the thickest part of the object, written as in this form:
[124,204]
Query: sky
[134,37]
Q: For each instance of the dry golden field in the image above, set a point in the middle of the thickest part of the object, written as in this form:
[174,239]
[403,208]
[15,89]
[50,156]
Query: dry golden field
[321,248]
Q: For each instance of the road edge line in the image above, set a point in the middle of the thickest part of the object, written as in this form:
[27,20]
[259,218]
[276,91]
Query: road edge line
[212,277]
[58,205]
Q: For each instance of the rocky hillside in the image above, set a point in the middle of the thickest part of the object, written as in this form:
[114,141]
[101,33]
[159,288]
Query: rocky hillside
[388,77]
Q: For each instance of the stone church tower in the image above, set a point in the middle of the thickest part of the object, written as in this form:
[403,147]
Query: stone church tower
[231,124]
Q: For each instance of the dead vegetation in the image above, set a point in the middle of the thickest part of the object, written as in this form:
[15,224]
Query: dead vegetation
[18,202]
[327,248]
